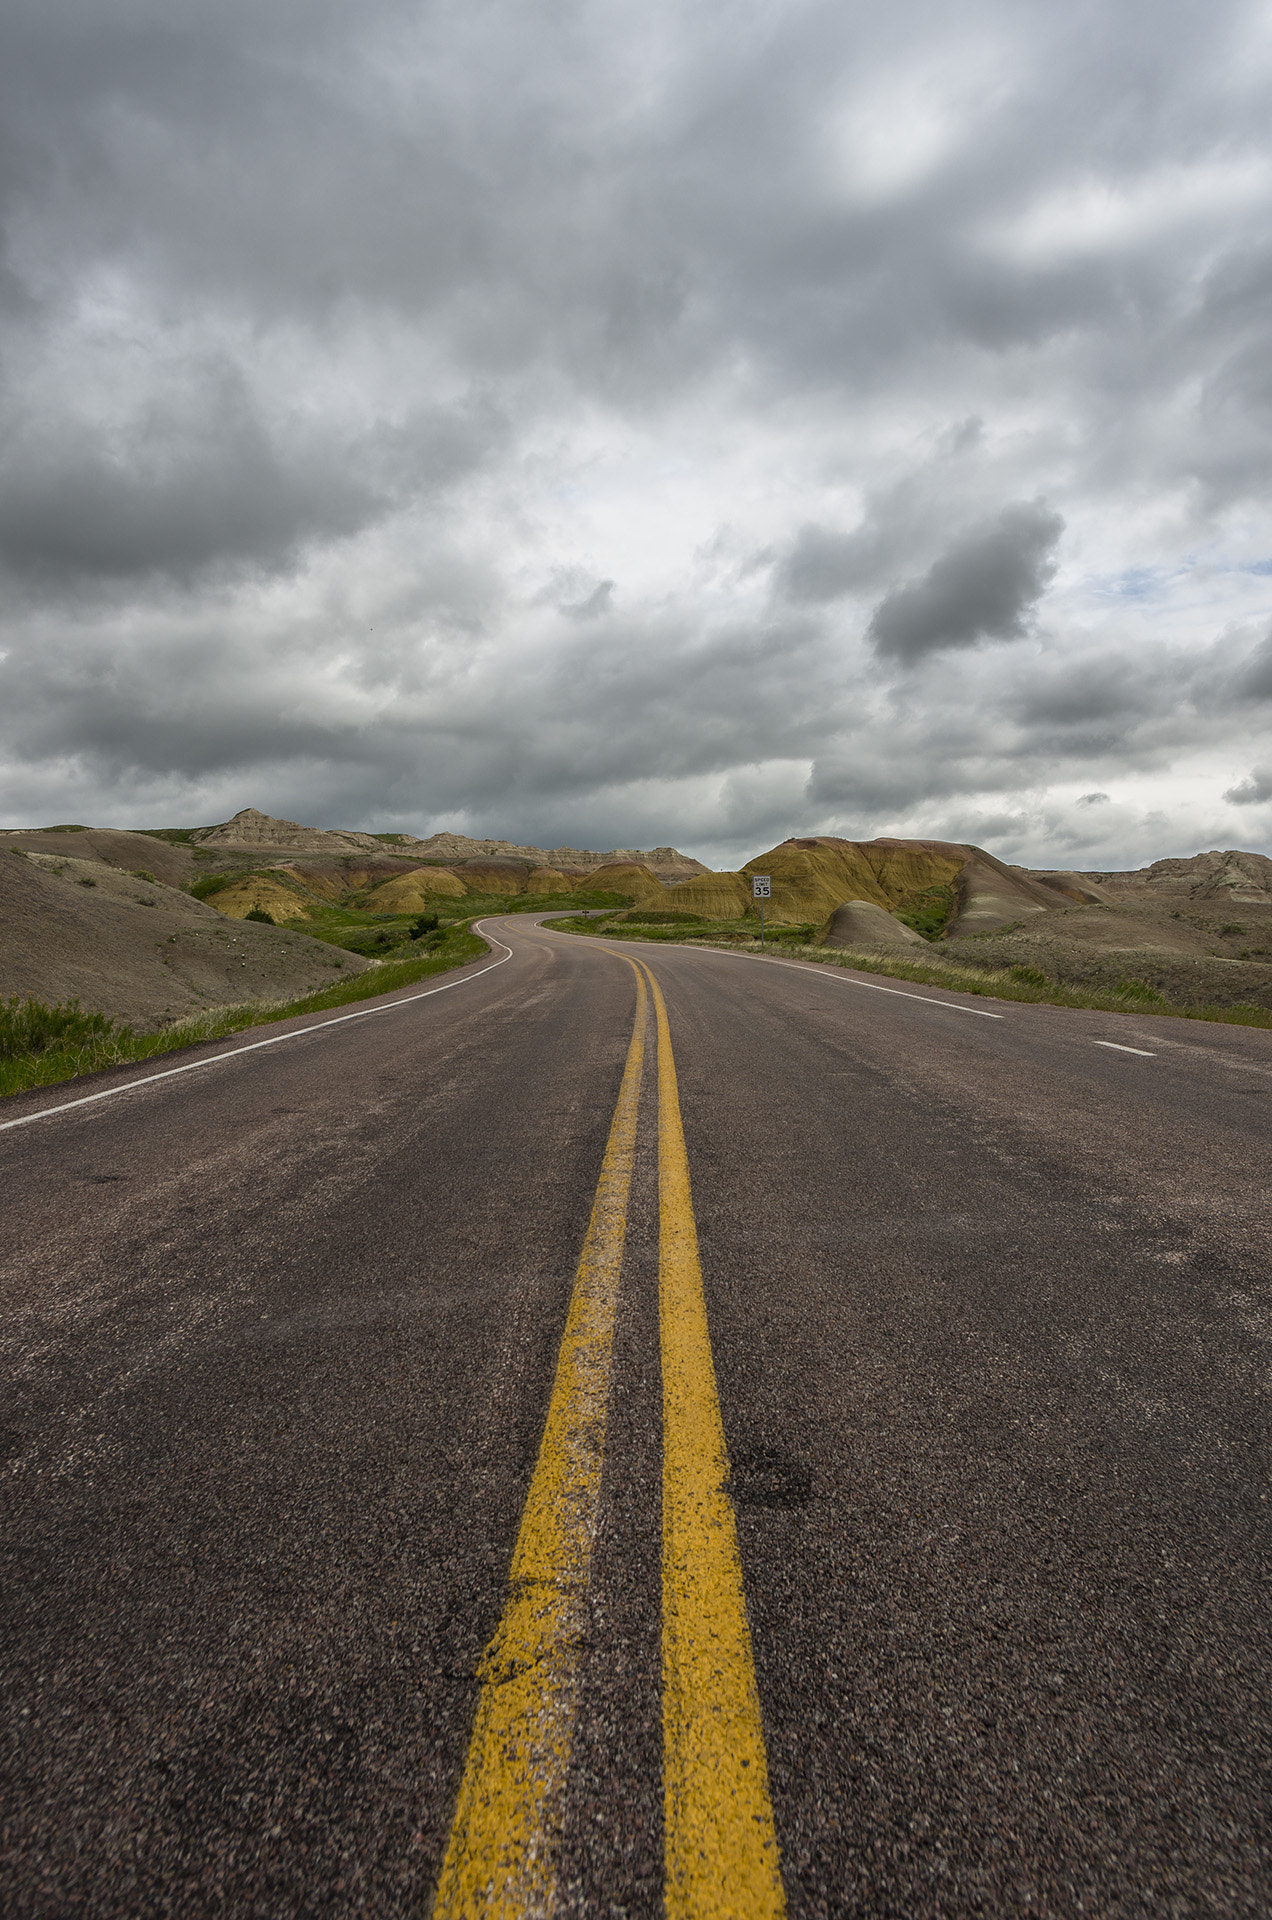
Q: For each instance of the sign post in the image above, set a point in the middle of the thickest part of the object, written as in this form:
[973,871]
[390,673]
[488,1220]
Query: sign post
[761,890]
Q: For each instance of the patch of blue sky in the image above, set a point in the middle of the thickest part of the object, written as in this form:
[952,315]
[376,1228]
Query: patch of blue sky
[1138,583]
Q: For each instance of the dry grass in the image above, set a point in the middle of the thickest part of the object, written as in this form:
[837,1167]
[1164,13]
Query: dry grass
[1023,983]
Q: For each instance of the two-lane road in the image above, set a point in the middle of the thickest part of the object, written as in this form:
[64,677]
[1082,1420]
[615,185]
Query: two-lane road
[989,1303]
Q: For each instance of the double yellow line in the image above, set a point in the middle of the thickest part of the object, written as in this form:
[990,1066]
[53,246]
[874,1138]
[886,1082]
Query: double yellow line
[721,1848]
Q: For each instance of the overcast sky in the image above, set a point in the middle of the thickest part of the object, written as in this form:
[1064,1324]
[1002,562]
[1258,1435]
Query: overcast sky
[623,423]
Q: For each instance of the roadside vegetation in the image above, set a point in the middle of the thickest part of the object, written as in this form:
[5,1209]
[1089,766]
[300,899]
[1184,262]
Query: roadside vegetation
[1021,982]
[42,1045]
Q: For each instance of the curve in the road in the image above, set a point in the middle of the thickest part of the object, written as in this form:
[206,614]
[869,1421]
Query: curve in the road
[254,1046]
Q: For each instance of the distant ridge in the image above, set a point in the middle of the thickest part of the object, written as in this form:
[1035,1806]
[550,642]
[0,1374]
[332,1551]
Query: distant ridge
[253,829]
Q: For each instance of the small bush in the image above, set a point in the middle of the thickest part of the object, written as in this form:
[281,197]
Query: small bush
[28,1026]
[88,881]
[211,883]
[425,923]
[1140,992]
[259,914]
[1231,927]
[144,873]
[1029,976]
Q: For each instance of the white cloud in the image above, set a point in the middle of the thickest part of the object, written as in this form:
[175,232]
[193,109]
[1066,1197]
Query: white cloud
[519,417]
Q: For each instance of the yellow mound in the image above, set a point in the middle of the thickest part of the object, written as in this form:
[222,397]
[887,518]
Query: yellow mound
[716,896]
[626,876]
[411,891]
[813,877]
[549,880]
[327,884]
[335,883]
[257,890]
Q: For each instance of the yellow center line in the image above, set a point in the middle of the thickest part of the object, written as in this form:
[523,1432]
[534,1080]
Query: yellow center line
[721,1846]
[505,1839]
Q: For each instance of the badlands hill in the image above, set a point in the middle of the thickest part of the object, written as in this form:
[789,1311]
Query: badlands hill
[152,938]
[257,832]
[140,950]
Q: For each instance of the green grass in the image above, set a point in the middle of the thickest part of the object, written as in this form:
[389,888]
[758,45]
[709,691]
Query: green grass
[1021,983]
[661,925]
[210,883]
[41,1046]
[928,913]
[376,935]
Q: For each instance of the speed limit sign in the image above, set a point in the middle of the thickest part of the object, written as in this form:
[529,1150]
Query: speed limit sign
[761,890]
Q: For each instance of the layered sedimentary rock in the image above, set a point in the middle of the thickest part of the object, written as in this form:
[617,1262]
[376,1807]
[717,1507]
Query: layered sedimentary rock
[250,829]
[667,862]
[1241,878]
[813,876]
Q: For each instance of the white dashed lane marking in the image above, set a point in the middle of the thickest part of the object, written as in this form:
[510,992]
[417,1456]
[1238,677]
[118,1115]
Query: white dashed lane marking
[1144,1052]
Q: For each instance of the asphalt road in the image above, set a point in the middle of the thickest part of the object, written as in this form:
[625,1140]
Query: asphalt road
[991,1311]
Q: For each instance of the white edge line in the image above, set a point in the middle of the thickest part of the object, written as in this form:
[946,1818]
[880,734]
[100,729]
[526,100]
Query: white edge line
[1145,1053]
[951,1006]
[253,1046]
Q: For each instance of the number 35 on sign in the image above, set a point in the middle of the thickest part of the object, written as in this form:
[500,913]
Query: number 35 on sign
[761,886]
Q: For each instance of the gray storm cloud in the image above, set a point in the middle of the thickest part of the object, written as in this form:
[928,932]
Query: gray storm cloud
[982,589]
[1254,791]
[628,424]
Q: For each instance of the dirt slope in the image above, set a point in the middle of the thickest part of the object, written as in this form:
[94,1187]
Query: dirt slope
[111,847]
[146,954]
[860,923]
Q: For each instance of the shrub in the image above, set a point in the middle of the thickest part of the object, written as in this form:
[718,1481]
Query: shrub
[425,923]
[88,881]
[28,1026]
[1029,976]
[211,883]
[259,914]
[1140,992]
[144,873]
